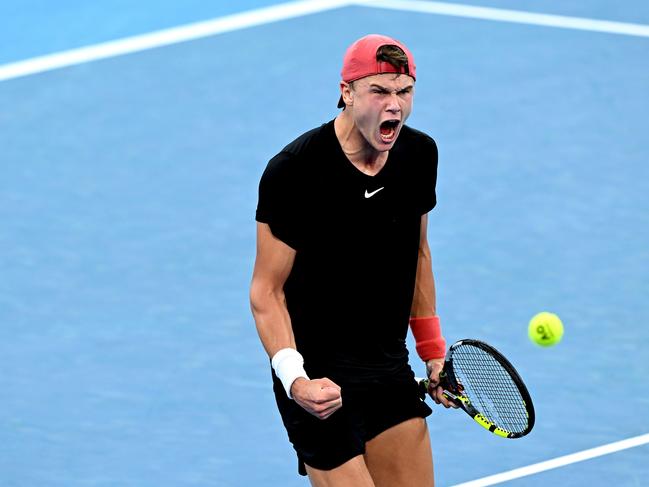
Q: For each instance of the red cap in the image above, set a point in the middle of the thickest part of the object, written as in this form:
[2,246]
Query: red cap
[360,59]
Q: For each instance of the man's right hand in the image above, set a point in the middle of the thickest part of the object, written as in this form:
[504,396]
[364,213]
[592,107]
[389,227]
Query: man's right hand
[320,397]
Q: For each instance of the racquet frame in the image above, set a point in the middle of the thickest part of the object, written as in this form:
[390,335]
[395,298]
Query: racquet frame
[455,392]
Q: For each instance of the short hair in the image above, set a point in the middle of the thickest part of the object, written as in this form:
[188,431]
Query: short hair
[393,55]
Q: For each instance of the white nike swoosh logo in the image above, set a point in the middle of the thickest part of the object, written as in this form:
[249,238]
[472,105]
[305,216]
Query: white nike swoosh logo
[369,195]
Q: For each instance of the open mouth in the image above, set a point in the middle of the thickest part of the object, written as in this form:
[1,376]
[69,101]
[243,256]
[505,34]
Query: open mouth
[389,130]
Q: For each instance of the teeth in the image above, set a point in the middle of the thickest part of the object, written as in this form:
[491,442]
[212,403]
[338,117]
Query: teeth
[389,136]
[388,130]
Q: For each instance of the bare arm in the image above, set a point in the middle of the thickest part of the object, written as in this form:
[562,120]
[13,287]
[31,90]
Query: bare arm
[424,304]
[272,267]
[320,397]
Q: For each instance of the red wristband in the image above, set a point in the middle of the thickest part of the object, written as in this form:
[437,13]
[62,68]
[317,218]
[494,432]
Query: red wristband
[428,337]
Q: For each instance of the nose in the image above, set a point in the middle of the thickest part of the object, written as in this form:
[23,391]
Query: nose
[393,105]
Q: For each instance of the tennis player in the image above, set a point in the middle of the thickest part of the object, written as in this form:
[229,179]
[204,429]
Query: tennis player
[343,267]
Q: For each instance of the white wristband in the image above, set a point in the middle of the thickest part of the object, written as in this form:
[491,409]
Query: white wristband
[288,365]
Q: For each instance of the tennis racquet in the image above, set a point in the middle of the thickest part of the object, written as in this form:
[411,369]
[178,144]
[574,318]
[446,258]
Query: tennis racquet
[487,387]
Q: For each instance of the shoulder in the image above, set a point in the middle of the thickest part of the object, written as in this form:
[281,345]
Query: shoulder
[413,139]
[288,160]
[418,152]
[417,149]
[290,164]
[312,140]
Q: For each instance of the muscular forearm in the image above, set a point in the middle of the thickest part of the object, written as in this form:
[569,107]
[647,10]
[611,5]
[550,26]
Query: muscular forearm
[271,318]
[423,303]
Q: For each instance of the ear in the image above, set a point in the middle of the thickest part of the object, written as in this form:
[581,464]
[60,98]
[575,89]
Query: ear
[346,93]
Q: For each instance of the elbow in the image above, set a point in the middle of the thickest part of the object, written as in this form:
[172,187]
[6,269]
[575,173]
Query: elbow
[424,252]
[256,300]
[262,296]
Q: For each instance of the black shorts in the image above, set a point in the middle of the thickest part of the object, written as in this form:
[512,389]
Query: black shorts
[367,411]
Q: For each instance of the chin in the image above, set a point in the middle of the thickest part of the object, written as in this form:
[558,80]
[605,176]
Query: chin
[382,146]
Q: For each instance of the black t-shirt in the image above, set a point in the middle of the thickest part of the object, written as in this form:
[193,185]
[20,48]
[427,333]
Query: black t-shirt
[356,238]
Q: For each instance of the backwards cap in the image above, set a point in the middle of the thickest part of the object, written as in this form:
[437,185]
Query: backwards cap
[360,59]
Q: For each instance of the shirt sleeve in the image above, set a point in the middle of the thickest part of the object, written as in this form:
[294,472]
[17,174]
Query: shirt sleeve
[428,178]
[277,205]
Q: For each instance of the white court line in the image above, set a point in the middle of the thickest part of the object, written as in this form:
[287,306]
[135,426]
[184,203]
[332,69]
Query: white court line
[289,10]
[515,16]
[558,462]
[167,37]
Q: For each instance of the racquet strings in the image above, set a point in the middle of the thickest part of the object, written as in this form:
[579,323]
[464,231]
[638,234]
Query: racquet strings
[490,388]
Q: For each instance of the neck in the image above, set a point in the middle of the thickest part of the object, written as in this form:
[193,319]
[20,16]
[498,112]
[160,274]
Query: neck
[359,152]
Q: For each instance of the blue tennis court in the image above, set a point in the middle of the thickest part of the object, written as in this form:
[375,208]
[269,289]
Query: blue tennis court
[128,185]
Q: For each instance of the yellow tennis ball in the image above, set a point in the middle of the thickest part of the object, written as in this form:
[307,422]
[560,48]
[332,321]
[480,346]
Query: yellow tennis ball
[545,329]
